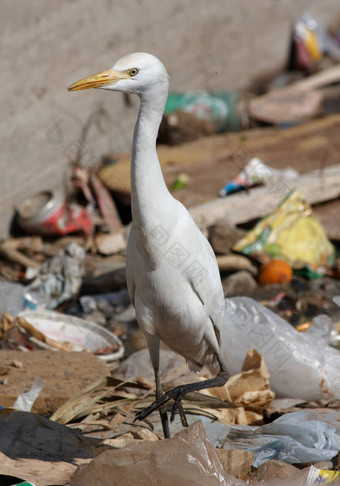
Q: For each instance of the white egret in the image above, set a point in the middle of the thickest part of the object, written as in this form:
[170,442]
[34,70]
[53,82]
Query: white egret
[172,273]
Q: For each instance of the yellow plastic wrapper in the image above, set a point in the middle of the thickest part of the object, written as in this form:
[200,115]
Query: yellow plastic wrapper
[322,476]
[291,233]
[312,44]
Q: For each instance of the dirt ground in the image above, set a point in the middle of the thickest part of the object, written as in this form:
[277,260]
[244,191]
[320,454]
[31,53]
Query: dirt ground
[63,375]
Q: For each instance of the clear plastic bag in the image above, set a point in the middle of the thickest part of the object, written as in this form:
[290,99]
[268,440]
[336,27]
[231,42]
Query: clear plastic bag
[293,438]
[301,365]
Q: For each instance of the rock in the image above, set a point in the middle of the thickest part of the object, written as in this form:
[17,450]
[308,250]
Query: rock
[239,284]
[223,235]
[17,364]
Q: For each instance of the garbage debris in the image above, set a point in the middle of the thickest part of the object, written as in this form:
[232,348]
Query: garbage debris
[293,438]
[180,182]
[44,365]
[310,42]
[48,213]
[56,331]
[106,204]
[256,173]
[296,103]
[249,390]
[319,476]
[59,279]
[301,365]
[291,233]
[11,297]
[273,472]
[10,249]
[220,107]
[275,271]
[26,400]
[152,463]
[39,450]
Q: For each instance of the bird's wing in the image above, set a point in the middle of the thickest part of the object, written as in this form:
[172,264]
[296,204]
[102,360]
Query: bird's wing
[130,281]
[204,278]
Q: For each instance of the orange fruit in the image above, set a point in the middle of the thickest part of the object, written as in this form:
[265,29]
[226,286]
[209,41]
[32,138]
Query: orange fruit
[276,271]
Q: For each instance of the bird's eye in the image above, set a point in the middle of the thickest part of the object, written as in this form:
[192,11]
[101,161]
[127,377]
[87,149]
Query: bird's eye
[133,71]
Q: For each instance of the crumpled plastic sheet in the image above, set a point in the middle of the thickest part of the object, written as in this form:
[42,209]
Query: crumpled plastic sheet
[41,451]
[59,280]
[188,459]
[11,298]
[26,400]
[301,365]
[293,438]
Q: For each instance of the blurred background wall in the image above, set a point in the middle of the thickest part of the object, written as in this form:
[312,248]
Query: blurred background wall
[47,44]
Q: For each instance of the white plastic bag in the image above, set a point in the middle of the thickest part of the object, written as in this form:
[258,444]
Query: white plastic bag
[293,438]
[26,400]
[301,365]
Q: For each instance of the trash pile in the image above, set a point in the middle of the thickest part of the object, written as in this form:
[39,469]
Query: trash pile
[74,366]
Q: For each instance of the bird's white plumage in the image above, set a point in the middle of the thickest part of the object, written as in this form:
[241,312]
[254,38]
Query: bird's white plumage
[172,273]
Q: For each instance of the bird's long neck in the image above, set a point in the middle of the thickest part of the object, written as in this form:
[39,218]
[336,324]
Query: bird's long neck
[148,190]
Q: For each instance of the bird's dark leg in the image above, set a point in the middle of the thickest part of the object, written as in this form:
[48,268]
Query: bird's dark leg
[178,392]
[153,345]
[162,411]
[182,415]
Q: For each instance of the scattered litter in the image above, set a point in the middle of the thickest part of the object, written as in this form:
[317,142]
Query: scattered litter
[221,108]
[275,271]
[293,438]
[180,182]
[41,451]
[59,279]
[319,476]
[301,365]
[11,298]
[292,233]
[152,463]
[82,383]
[48,213]
[256,173]
[311,42]
[53,330]
[26,400]
[249,390]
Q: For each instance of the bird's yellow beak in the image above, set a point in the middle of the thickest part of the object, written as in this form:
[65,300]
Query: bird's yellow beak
[98,80]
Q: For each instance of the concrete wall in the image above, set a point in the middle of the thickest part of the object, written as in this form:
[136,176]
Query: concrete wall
[48,44]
